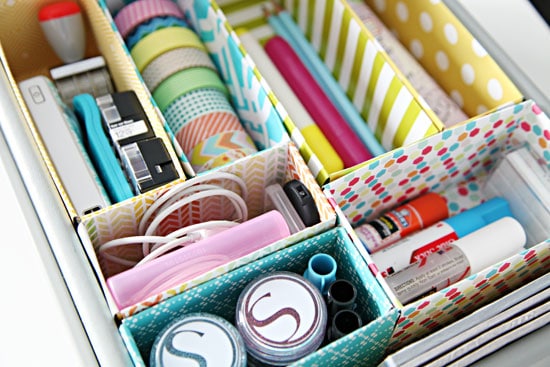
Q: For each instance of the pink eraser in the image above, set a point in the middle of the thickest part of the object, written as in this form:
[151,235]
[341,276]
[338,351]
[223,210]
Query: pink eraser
[63,27]
[171,270]
[338,132]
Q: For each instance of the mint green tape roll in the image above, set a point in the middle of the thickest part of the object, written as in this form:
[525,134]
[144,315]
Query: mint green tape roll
[185,81]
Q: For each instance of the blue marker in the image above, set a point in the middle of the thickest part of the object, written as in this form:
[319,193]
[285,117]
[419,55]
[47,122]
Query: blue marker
[416,247]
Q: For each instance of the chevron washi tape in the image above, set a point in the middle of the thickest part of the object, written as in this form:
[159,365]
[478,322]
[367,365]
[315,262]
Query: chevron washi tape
[161,41]
[195,104]
[204,127]
[220,149]
[173,61]
[133,14]
[151,26]
[185,81]
[227,157]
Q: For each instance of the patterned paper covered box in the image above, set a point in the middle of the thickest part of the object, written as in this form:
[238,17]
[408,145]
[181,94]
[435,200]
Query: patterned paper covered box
[365,84]
[455,163]
[26,54]
[378,97]
[447,50]
[277,165]
[200,115]
[219,296]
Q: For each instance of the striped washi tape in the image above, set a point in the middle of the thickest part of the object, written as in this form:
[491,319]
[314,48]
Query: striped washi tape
[151,26]
[185,81]
[157,43]
[220,149]
[173,61]
[135,13]
[206,126]
[193,105]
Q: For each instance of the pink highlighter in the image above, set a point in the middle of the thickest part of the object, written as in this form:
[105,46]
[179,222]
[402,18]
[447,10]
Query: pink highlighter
[341,136]
[168,271]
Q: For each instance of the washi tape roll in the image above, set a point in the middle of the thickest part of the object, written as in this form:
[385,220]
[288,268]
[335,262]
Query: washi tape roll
[227,157]
[173,61]
[220,149]
[185,81]
[193,105]
[204,127]
[151,26]
[135,13]
[161,41]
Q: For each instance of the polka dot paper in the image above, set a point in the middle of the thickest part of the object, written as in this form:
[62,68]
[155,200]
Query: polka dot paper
[448,51]
[456,164]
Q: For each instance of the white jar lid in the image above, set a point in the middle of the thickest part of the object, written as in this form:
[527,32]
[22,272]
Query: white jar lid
[282,317]
[200,338]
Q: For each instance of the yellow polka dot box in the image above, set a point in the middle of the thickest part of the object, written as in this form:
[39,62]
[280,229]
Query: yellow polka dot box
[360,174]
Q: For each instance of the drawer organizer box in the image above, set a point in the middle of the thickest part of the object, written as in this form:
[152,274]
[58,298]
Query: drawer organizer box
[420,155]
[456,164]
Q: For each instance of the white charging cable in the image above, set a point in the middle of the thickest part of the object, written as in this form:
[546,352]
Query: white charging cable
[173,199]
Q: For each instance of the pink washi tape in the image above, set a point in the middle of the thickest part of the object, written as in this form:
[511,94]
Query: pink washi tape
[141,11]
[343,139]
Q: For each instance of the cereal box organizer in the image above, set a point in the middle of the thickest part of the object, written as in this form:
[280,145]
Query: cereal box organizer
[26,54]
[279,164]
[454,163]
[369,82]
[418,154]
[219,296]
[197,29]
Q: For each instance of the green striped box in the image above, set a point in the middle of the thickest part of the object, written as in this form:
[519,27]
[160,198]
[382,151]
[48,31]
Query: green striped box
[378,90]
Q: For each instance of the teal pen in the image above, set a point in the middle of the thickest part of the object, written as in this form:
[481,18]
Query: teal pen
[284,25]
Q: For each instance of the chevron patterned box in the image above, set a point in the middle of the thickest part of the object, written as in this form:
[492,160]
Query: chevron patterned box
[364,346]
[279,164]
[454,163]
[24,53]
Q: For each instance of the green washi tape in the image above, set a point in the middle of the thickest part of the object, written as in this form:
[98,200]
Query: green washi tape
[185,81]
[161,41]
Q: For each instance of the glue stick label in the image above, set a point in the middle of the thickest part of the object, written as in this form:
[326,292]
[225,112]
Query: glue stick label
[389,228]
[422,278]
[414,248]
[402,221]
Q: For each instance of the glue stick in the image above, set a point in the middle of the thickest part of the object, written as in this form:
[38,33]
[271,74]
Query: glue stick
[468,255]
[417,214]
[421,244]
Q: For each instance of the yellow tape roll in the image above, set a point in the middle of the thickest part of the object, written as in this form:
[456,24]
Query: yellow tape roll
[161,41]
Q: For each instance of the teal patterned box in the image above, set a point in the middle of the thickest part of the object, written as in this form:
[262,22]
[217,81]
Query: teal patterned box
[454,163]
[365,346]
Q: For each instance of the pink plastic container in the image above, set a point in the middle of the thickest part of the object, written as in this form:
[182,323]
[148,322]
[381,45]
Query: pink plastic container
[139,283]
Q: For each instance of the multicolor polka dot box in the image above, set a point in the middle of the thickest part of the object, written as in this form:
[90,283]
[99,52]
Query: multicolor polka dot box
[457,164]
